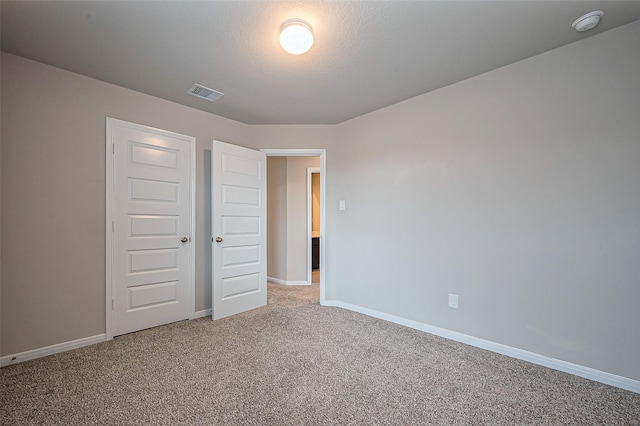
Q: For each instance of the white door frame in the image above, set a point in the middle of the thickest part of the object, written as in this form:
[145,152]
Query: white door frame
[310,172]
[109,150]
[322,153]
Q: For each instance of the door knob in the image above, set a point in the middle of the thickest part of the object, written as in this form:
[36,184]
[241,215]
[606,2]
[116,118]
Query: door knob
[218,240]
[184,239]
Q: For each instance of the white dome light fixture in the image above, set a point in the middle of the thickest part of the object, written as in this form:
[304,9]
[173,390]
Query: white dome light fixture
[588,21]
[296,36]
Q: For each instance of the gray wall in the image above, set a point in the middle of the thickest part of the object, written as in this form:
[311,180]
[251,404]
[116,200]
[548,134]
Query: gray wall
[53,204]
[308,137]
[297,234]
[277,217]
[315,202]
[518,190]
[53,194]
[287,216]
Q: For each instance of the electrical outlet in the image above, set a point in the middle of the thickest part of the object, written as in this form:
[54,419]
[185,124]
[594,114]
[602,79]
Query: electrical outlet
[453,301]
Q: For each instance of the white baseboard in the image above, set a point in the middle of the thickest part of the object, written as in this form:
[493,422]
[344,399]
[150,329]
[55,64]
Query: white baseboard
[50,350]
[556,364]
[203,313]
[283,282]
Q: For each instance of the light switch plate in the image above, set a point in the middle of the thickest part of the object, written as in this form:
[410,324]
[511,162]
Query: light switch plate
[453,301]
[341,205]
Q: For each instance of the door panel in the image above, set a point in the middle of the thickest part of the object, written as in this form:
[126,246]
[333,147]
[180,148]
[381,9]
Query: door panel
[239,219]
[154,156]
[152,260]
[153,294]
[240,285]
[151,190]
[153,226]
[241,225]
[151,276]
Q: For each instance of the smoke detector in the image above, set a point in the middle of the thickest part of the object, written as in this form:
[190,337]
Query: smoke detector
[588,21]
[205,93]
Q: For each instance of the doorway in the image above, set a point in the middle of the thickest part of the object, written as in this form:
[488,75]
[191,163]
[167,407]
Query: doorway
[306,254]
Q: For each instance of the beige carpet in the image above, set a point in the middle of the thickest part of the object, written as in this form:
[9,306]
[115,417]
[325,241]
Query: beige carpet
[297,363]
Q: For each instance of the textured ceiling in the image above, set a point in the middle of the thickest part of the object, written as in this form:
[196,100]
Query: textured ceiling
[366,55]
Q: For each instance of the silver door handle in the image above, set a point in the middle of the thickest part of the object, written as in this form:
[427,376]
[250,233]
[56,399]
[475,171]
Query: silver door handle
[218,240]
[184,239]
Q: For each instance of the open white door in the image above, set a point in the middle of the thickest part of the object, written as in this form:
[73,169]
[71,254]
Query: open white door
[238,212]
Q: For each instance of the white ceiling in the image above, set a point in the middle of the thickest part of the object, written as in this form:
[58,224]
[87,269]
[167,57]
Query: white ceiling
[366,55]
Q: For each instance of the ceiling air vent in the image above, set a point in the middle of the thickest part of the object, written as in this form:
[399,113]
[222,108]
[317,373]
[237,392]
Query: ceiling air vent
[205,93]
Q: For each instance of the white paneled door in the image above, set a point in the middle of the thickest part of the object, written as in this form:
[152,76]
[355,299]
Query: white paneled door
[151,213]
[238,197]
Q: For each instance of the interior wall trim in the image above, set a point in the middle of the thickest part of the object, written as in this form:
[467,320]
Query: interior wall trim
[555,364]
[284,282]
[50,350]
[203,313]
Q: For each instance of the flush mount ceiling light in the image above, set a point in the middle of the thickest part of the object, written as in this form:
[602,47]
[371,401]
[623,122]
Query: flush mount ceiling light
[296,36]
[588,21]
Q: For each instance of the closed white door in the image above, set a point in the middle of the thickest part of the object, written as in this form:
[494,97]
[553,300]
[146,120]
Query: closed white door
[239,211]
[151,210]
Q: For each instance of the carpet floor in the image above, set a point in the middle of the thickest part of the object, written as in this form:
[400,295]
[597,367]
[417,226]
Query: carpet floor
[295,362]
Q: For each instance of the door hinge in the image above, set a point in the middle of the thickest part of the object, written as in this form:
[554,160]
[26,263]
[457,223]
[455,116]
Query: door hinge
[113,149]
[113,226]
[113,304]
